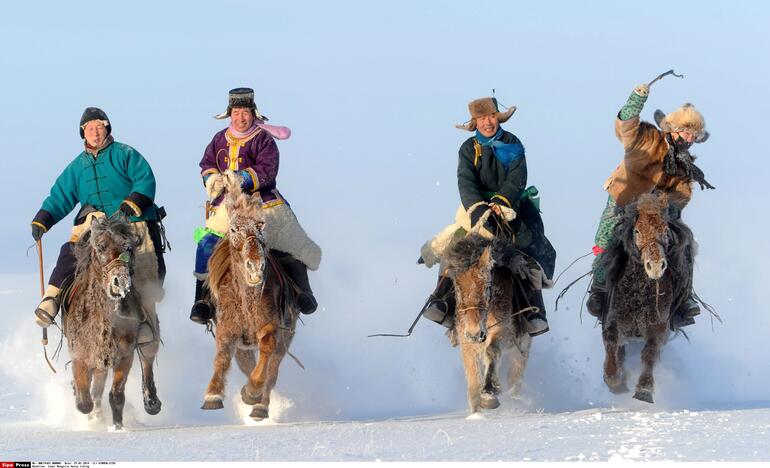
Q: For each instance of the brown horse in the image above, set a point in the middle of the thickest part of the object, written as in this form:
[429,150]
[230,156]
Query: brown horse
[246,291]
[649,276]
[102,319]
[492,292]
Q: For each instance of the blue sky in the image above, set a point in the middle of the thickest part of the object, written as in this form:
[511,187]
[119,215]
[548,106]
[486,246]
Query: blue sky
[372,92]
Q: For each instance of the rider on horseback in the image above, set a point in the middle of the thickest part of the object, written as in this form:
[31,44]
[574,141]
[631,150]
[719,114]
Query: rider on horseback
[492,179]
[106,178]
[655,159]
[248,149]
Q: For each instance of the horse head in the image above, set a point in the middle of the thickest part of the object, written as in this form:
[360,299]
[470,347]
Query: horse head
[651,233]
[246,232]
[470,267]
[112,244]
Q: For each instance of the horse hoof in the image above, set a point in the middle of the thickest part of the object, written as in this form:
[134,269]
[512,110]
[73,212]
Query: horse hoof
[213,402]
[644,395]
[249,398]
[489,402]
[85,407]
[617,388]
[152,405]
[258,412]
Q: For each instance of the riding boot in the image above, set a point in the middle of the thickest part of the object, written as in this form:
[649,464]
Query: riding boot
[686,314]
[441,303]
[48,308]
[537,324]
[202,311]
[297,271]
[597,299]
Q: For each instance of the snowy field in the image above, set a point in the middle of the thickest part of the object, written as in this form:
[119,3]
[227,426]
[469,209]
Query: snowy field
[369,407]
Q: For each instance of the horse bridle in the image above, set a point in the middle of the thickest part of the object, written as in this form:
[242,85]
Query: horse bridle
[123,259]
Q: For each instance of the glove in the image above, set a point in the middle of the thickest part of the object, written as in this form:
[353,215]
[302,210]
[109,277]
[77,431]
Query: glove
[642,89]
[37,232]
[127,210]
[214,185]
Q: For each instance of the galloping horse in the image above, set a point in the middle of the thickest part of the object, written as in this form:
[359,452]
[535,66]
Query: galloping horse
[492,292]
[246,291]
[648,278]
[101,320]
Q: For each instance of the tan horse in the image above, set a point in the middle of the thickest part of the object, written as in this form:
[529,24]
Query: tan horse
[491,296]
[649,276]
[101,321]
[246,292]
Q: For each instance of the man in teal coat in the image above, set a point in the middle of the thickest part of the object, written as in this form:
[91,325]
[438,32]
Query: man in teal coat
[105,178]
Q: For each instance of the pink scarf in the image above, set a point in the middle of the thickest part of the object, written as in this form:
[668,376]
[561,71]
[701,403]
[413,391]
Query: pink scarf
[280,133]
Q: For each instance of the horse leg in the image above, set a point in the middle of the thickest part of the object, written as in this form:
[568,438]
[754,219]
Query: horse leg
[656,334]
[472,374]
[491,383]
[519,357]
[247,361]
[215,392]
[272,377]
[97,390]
[614,376]
[255,387]
[147,352]
[82,385]
[118,392]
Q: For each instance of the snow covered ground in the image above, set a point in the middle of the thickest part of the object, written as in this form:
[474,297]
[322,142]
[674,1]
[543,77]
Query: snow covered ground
[388,400]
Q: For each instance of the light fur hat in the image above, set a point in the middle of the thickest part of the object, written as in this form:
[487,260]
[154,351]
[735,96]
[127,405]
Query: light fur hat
[684,118]
[485,106]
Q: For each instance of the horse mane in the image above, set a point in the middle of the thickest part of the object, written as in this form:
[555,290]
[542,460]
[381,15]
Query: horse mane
[219,266]
[465,253]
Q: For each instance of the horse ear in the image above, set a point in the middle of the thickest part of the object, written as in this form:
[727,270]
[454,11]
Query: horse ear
[659,116]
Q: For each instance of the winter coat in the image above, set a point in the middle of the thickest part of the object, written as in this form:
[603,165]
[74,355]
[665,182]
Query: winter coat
[642,168]
[118,173]
[256,154]
[482,178]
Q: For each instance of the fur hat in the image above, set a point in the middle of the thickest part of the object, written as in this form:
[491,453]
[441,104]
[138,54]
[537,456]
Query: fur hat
[241,97]
[684,118]
[94,113]
[485,106]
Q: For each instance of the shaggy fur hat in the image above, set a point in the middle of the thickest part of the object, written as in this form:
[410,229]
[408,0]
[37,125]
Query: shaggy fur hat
[485,106]
[684,118]
[241,97]
[94,113]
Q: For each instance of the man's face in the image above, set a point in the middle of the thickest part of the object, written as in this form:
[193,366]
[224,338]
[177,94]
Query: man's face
[487,125]
[683,140]
[95,133]
[241,118]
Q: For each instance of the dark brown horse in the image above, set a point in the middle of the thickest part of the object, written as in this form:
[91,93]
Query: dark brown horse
[246,291]
[492,294]
[648,278]
[102,319]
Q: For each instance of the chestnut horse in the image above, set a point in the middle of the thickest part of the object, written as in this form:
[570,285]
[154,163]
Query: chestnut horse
[247,294]
[492,293]
[649,276]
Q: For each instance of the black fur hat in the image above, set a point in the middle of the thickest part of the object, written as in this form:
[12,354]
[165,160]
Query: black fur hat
[241,97]
[94,113]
